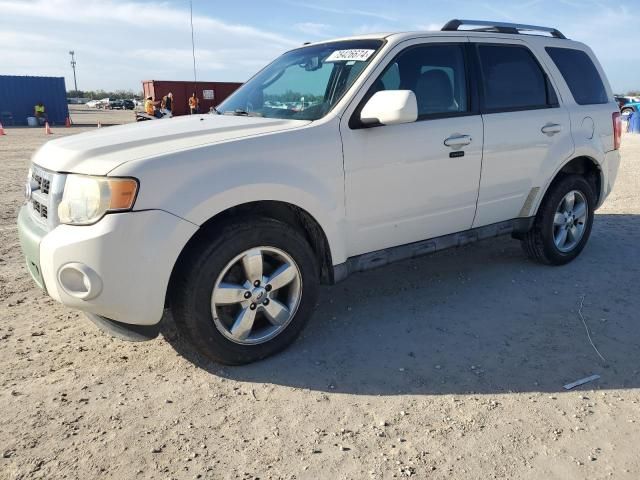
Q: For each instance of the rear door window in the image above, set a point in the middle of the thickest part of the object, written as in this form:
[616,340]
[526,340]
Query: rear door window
[513,79]
[581,75]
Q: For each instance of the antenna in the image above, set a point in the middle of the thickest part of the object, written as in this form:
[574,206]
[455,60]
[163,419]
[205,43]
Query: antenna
[193,46]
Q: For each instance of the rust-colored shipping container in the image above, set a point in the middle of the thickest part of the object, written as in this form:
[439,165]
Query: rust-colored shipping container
[210,94]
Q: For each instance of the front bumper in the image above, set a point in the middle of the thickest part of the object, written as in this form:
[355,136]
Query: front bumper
[126,260]
[30,234]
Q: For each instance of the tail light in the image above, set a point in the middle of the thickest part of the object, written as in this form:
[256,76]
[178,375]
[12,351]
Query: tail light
[617,130]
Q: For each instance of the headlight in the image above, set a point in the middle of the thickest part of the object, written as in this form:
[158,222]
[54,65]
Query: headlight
[87,199]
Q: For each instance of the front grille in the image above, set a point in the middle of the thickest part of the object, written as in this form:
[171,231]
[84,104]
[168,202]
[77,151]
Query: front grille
[44,184]
[41,209]
[46,193]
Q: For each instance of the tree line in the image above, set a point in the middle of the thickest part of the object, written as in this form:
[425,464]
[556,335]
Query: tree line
[99,94]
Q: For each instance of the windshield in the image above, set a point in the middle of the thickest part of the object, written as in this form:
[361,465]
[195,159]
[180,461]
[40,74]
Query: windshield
[303,84]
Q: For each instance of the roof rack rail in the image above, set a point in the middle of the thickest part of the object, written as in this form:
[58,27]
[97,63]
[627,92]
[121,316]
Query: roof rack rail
[499,27]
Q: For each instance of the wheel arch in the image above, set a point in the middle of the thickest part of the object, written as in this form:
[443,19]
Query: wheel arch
[581,165]
[278,210]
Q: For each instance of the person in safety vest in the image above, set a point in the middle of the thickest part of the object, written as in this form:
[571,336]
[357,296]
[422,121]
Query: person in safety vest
[193,104]
[39,113]
[150,108]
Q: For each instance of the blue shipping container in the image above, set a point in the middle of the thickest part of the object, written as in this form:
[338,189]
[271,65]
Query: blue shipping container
[18,96]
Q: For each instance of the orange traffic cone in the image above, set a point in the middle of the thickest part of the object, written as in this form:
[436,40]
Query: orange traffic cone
[99,124]
[67,122]
[47,129]
[2,130]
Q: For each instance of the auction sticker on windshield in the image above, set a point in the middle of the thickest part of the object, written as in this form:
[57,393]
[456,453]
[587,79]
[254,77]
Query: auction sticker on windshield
[354,54]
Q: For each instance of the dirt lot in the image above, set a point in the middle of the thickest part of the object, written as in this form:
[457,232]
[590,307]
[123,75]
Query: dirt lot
[449,366]
[84,116]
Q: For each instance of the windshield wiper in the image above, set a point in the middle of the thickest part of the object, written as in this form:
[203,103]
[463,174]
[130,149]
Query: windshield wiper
[241,113]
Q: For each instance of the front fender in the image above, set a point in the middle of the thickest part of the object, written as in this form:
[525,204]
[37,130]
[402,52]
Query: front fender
[327,213]
[302,167]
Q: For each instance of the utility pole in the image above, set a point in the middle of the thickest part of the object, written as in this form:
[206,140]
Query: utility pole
[193,46]
[73,65]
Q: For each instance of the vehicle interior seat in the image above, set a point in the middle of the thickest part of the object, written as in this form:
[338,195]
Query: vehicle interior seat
[434,93]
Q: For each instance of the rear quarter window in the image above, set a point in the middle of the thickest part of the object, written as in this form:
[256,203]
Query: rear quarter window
[581,75]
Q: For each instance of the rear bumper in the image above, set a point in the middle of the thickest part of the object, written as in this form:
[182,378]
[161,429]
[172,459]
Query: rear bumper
[118,268]
[610,173]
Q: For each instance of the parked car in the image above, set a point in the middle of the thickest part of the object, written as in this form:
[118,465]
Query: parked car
[404,144]
[628,105]
[121,105]
[103,103]
[629,108]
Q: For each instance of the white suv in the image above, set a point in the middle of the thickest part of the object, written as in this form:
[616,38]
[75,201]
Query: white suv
[338,157]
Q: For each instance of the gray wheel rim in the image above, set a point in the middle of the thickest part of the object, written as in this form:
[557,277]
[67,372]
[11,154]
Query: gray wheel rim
[256,295]
[570,221]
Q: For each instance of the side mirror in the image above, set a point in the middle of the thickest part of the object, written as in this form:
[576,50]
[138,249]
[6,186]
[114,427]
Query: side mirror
[390,107]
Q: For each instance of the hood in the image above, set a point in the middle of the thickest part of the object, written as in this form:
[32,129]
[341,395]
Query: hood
[100,151]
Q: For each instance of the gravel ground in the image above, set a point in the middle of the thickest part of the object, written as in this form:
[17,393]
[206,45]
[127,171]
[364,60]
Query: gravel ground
[84,116]
[449,366]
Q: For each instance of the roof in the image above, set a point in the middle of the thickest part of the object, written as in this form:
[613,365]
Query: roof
[400,36]
[452,29]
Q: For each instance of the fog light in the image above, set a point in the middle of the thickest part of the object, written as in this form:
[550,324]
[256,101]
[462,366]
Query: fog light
[79,281]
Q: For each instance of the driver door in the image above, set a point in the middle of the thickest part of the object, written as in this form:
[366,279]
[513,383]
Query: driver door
[410,182]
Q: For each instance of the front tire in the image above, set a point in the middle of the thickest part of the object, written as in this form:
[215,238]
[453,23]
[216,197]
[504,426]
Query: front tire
[246,290]
[563,223]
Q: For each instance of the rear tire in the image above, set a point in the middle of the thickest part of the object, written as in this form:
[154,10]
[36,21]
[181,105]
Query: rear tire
[235,326]
[560,230]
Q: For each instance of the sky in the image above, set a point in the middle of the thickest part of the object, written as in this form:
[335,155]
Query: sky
[119,43]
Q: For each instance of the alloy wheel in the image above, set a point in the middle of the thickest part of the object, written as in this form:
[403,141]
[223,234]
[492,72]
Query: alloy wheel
[570,221]
[256,296]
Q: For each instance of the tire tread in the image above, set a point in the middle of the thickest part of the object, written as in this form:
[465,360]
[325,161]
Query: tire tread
[540,247]
[186,318]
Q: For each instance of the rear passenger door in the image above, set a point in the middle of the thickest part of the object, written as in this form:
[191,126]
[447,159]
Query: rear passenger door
[526,130]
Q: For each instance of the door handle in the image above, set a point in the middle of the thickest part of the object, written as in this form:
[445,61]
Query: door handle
[551,129]
[458,140]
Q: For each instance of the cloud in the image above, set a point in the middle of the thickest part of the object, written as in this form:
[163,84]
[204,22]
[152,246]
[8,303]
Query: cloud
[118,43]
[311,28]
[371,28]
[432,27]
[501,13]
[342,11]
